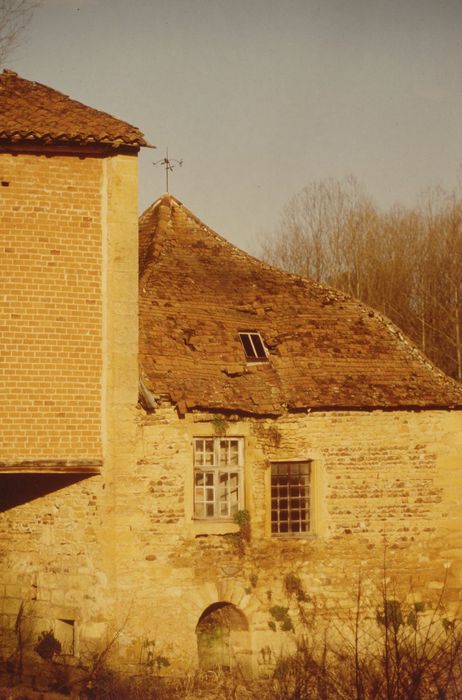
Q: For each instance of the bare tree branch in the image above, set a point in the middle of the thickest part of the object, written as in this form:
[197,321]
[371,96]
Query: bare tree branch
[15,16]
[407,263]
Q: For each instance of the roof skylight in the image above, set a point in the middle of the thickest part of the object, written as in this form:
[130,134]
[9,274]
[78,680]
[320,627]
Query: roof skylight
[253,346]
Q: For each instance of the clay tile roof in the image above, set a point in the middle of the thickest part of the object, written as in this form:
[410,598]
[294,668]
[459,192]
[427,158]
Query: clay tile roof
[326,350]
[33,112]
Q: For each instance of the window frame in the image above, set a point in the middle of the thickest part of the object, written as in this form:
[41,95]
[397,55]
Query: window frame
[65,633]
[211,482]
[249,338]
[275,500]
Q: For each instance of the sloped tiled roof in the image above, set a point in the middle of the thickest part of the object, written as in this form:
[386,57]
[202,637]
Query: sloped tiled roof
[33,112]
[326,350]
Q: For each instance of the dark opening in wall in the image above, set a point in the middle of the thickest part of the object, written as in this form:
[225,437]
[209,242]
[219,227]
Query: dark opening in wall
[16,489]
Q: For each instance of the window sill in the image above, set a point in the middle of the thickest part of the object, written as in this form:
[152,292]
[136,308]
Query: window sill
[204,526]
[294,535]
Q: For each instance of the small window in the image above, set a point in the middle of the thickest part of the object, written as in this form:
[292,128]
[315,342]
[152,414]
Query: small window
[218,483]
[290,498]
[253,346]
[65,634]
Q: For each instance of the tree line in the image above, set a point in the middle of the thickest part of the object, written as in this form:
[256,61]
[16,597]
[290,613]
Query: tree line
[405,262]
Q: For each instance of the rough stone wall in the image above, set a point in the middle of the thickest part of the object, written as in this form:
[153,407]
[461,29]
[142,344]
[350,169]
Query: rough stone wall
[52,562]
[123,552]
[50,307]
[387,484]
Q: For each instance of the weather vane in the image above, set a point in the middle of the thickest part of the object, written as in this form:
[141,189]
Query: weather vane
[170,164]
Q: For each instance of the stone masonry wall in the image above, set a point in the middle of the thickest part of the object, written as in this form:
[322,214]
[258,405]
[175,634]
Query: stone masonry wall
[126,553]
[50,307]
[53,564]
[386,484]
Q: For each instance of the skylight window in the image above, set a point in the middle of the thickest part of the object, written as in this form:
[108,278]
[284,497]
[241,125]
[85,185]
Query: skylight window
[253,346]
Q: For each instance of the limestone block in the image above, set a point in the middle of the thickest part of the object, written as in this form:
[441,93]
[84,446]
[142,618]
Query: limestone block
[95,631]
[10,606]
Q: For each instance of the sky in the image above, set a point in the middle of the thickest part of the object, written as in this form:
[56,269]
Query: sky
[258,98]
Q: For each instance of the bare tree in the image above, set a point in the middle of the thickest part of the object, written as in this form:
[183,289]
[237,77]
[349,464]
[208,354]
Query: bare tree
[15,16]
[310,237]
[407,263]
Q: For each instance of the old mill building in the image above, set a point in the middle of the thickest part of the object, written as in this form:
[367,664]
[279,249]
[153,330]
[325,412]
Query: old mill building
[184,428]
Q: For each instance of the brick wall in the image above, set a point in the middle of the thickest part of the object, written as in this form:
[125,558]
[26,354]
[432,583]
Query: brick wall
[50,307]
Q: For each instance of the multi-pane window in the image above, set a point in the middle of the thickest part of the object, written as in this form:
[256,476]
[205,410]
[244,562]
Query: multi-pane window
[253,346]
[218,482]
[290,497]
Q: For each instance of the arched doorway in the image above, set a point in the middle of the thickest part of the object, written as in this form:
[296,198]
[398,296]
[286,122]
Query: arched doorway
[223,638]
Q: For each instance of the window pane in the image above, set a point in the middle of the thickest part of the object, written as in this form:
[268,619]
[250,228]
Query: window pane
[199,478]
[223,494]
[248,348]
[203,452]
[234,485]
[258,345]
[229,453]
[199,510]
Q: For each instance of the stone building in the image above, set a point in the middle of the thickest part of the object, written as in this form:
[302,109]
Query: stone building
[264,444]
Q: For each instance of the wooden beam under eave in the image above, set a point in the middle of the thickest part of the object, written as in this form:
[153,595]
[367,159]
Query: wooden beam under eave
[52,466]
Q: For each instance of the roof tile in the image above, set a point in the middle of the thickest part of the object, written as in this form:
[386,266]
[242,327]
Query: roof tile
[30,112]
[326,350]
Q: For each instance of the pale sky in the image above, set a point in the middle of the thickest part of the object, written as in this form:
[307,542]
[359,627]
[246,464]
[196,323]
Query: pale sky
[260,97]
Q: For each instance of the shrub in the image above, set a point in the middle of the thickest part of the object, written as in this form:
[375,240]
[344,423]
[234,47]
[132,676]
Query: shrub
[407,652]
[47,645]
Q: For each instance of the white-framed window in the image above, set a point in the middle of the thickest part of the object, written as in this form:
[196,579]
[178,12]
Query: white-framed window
[218,477]
[253,345]
[291,497]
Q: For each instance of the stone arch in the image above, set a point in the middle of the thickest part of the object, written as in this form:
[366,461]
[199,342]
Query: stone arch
[223,639]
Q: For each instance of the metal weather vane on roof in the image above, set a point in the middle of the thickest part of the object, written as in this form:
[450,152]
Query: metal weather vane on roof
[170,164]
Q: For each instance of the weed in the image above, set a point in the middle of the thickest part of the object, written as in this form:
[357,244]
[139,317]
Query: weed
[47,645]
[220,425]
[244,534]
[281,615]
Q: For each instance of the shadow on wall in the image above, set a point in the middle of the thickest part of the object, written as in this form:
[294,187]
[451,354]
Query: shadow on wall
[16,489]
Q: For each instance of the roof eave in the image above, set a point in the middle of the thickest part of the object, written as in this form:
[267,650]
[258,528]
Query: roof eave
[69,147]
